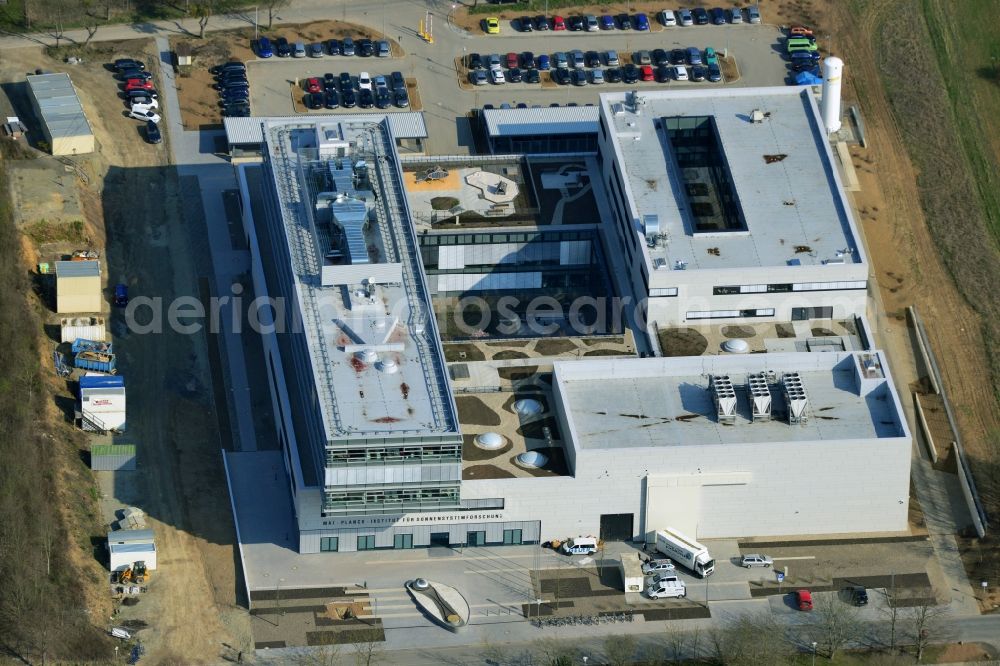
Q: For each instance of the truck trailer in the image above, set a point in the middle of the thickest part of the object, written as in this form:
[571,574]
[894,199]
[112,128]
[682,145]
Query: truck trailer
[685,551]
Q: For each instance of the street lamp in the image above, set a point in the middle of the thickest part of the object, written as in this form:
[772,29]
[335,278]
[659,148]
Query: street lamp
[814,653]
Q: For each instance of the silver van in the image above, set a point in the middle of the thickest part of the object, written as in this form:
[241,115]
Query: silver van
[299,51]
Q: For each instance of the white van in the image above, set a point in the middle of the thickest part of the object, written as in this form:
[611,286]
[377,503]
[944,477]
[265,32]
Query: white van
[580,546]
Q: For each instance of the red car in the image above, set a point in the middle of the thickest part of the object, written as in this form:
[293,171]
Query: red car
[646,73]
[314,85]
[804,600]
[558,23]
[800,31]
[512,60]
[138,84]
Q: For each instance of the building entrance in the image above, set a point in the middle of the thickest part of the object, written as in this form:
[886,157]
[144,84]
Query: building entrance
[617,526]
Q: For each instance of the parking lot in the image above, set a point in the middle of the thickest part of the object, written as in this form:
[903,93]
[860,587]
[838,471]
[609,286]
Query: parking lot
[447,97]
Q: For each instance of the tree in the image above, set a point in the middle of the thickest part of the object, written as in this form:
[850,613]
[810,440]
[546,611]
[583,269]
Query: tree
[369,651]
[928,622]
[555,652]
[835,623]
[272,7]
[620,649]
[750,640]
[675,643]
[325,655]
[891,613]
[203,12]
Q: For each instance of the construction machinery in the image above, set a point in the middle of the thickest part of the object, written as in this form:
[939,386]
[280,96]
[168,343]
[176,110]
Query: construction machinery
[135,574]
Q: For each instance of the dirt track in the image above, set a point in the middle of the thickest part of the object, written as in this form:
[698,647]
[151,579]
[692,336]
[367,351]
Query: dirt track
[133,201]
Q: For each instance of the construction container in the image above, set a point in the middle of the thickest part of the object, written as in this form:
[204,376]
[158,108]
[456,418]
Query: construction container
[95,361]
[102,403]
[88,328]
[112,457]
[126,547]
[78,287]
[92,345]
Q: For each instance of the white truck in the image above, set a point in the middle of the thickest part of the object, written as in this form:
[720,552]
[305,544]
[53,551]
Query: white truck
[685,550]
[666,587]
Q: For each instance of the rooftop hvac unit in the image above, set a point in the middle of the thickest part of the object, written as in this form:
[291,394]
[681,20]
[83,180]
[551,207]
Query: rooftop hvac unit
[795,397]
[724,396]
[760,397]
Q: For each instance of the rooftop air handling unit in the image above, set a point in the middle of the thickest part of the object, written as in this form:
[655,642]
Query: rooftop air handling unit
[724,396]
[795,397]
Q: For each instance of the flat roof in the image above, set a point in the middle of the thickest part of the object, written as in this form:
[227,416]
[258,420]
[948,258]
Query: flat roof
[71,269]
[249,130]
[782,173]
[657,402]
[377,363]
[59,105]
[544,120]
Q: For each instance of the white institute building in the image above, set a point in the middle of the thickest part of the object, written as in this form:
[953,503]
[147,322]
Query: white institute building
[727,204]
[773,443]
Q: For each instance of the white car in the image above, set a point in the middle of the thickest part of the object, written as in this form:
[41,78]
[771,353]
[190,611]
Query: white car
[680,72]
[140,112]
[497,77]
[149,103]
[670,587]
[364,81]
[685,17]
[656,566]
[756,560]
[753,14]
[668,18]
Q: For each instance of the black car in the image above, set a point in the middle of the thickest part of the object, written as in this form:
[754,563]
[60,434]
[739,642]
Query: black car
[527,60]
[560,76]
[579,77]
[383,99]
[678,56]
[804,67]
[526,24]
[366,48]
[660,57]
[347,46]
[233,85]
[233,93]
[128,63]
[475,61]
[348,99]
[366,99]
[698,73]
[541,23]
[514,75]
[142,93]
[226,77]
[630,73]
[238,105]
[313,100]
[592,59]
[700,16]
[396,81]
[663,74]
[240,112]
[858,596]
[401,98]
[623,21]
[331,99]
[714,73]
[613,75]
[231,66]
[282,48]
[718,16]
[532,76]
[345,82]
[134,73]
[332,47]
[329,81]
[153,132]
[576,23]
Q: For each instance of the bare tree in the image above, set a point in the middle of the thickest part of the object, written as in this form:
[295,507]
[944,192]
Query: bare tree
[750,640]
[835,623]
[928,622]
[272,7]
[675,643]
[369,650]
[620,649]
[203,12]
[891,613]
[555,652]
[326,655]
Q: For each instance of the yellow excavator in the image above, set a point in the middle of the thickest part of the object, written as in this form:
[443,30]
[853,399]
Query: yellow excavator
[137,574]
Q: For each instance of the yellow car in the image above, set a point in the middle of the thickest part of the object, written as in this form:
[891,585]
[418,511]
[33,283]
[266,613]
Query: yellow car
[492,26]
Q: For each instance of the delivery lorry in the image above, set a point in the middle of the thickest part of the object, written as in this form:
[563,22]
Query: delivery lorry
[685,551]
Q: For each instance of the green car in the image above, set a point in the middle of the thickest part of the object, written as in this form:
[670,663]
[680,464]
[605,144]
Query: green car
[711,58]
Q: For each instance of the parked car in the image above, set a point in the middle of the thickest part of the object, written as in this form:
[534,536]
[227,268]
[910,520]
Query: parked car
[642,57]
[316,50]
[532,76]
[147,102]
[714,73]
[152,136]
[577,59]
[558,23]
[264,49]
[641,22]
[735,15]
[364,81]
[120,298]
[592,58]
[142,93]
[492,25]
[685,17]
[663,74]
[511,60]
[541,23]
[313,85]
[345,82]
[477,77]
[803,600]
[401,98]
[329,81]
[134,73]
[660,57]
[756,560]
[700,16]
[753,14]
[624,22]
[630,73]
[128,63]
[231,66]
[544,62]
[680,73]
[613,75]
[347,47]
[396,81]
[382,49]
[144,113]
[800,31]
[282,47]
[524,24]
[859,596]
[366,99]
[667,18]
[718,16]
[678,56]
[331,99]
[474,61]
[494,61]
[348,98]
[383,99]
[607,22]
[711,57]
[299,50]
[332,47]
[366,48]
[611,57]
[496,77]
[590,23]
[560,59]
[597,77]
[646,73]
[560,76]
[313,100]
[657,566]
[693,56]
[575,23]
[514,75]
[138,84]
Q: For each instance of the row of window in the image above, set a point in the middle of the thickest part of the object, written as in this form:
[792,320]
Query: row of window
[662,291]
[730,314]
[405,541]
[404,454]
[511,237]
[788,287]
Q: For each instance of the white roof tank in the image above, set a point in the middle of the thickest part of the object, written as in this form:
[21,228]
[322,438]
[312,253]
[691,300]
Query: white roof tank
[833,71]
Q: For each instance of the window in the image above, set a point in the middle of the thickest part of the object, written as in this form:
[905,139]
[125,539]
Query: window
[366,542]
[786,287]
[803,314]
[329,544]
[830,286]
[663,291]
[477,538]
[512,537]
[402,541]
[730,314]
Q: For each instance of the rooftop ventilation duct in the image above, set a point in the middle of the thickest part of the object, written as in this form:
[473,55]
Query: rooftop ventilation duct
[351,215]
[724,396]
[795,397]
[760,397]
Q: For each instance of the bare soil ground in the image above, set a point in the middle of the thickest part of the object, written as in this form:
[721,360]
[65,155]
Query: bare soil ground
[131,201]
[200,101]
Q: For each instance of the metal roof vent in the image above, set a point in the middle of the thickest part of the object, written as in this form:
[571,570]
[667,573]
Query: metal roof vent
[528,407]
[760,397]
[532,459]
[795,397]
[736,346]
[757,116]
[388,366]
[367,355]
[490,441]
[724,396]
